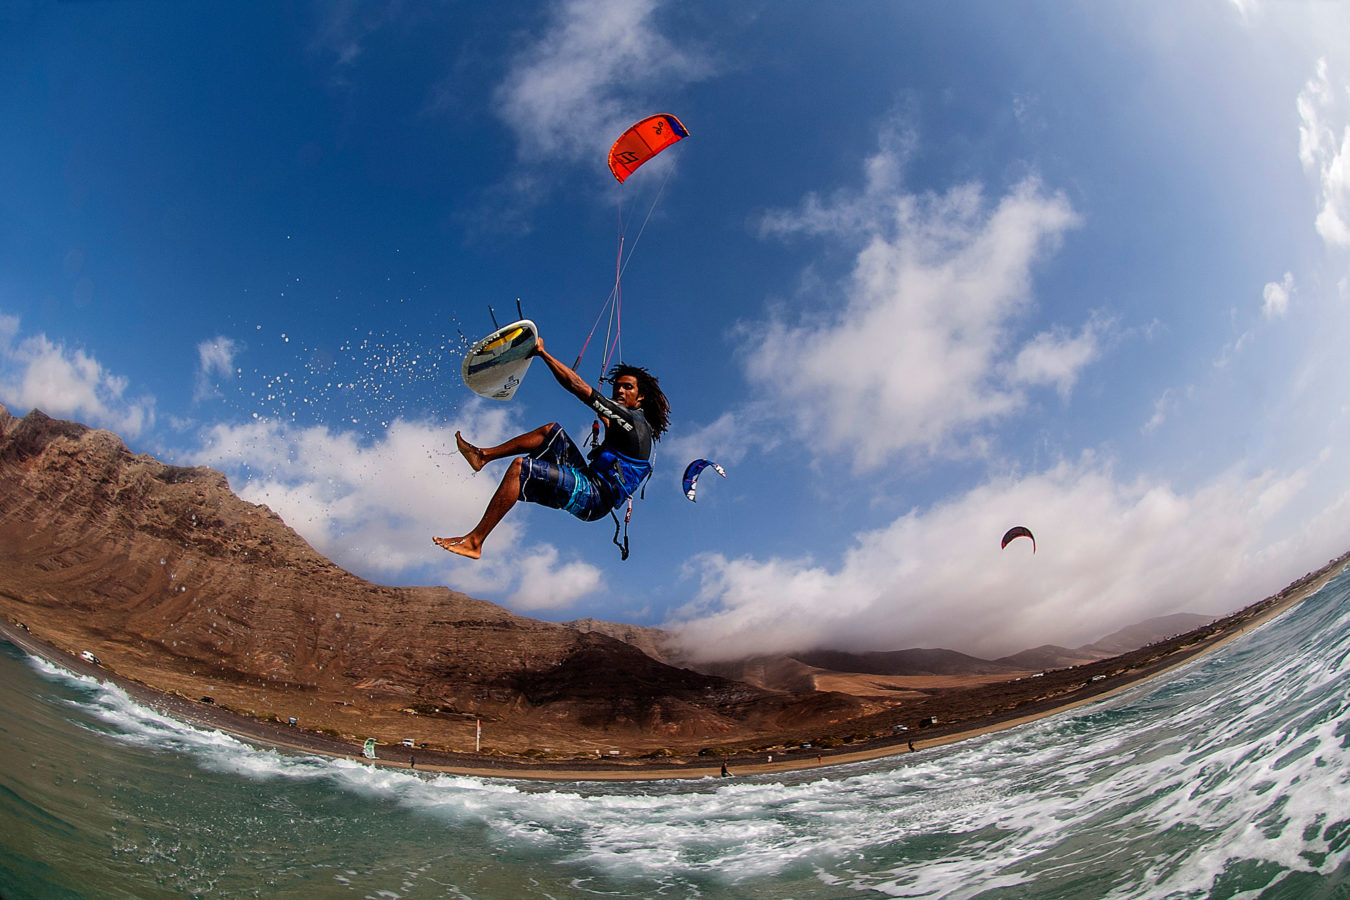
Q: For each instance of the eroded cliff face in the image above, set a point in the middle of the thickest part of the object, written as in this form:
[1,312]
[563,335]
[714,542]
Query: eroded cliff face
[178,583]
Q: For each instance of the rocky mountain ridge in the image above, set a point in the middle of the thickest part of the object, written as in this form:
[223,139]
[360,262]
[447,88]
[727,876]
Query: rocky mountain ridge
[798,671]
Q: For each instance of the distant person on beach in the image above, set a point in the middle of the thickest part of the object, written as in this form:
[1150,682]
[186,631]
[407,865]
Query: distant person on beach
[550,470]
[725,773]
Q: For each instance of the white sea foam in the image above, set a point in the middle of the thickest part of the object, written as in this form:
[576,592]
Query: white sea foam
[1238,756]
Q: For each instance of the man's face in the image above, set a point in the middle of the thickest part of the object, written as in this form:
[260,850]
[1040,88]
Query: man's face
[626,391]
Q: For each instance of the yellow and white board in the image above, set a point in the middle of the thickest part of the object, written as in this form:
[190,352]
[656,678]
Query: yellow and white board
[495,366]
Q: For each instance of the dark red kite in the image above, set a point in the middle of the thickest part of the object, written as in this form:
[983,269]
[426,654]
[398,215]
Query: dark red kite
[1018,531]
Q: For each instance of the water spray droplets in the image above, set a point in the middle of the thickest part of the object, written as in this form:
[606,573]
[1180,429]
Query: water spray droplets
[372,378]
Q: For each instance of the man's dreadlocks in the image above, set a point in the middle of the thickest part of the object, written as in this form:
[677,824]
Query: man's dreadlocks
[655,406]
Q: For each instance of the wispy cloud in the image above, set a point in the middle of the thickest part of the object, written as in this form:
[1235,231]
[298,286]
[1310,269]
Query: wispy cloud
[1246,9]
[1057,357]
[725,438]
[343,28]
[572,90]
[1163,408]
[215,363]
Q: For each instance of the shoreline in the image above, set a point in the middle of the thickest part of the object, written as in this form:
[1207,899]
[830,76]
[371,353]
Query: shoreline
[270,735]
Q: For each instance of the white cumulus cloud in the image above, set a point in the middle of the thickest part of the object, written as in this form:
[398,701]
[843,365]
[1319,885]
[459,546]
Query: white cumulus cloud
[547,584]
[1275,297]
[1324,149]
[1110,553]
[373,506]
[67,383]
[921,346]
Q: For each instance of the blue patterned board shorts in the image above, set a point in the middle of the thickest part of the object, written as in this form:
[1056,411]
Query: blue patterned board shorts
[557,475]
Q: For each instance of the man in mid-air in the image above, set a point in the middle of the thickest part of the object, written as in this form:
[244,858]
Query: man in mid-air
[549,468]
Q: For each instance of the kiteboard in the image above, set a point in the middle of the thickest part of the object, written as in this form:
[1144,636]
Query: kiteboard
[495,366]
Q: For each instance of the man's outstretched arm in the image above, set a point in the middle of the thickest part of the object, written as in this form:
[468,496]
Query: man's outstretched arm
[570,380]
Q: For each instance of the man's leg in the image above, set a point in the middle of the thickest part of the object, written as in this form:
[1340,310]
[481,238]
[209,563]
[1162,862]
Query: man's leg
[478,457]
[508,492]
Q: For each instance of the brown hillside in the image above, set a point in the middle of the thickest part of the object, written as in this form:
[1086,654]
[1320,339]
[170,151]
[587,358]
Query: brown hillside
[175,582]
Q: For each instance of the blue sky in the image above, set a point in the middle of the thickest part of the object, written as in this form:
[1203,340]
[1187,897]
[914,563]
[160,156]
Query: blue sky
[921,272]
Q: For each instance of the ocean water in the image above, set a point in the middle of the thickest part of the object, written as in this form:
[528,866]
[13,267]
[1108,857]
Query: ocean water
[1229,777]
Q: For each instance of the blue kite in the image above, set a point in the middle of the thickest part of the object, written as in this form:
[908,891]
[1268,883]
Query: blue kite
[692,472]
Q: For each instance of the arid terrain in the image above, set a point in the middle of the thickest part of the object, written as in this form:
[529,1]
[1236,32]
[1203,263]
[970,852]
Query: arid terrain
[214,609]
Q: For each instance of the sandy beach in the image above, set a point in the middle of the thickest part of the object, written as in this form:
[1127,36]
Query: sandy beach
[1126,671]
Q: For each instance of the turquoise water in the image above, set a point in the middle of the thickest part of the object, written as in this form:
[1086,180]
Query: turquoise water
[1229,777]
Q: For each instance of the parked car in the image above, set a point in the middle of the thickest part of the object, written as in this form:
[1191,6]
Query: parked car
[89,657]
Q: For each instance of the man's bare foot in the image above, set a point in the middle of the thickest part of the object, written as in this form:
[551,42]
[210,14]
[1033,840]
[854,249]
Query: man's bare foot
[458,546]
[470,453]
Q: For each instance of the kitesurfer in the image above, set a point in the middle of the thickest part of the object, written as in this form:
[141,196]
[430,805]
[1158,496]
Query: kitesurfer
[550,470]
